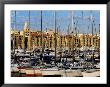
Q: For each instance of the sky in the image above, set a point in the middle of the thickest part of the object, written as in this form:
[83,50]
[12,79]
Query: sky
[82,20]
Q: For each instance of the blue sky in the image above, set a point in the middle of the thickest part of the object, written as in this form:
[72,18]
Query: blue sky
[63,17]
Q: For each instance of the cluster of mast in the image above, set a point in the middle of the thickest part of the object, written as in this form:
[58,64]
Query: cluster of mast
[55,13]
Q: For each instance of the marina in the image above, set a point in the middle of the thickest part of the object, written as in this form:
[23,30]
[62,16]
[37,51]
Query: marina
[50,53]
[48,66]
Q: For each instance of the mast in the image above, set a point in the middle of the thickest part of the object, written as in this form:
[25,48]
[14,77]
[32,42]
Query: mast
[55,37]
[76,37]
[14,34]
[83,37]
[29,32]
[78,44]
[99,33]
[92,37]
[99,40]
[68,32]
[99,29]
[41,33]
[73,33]
[41,39]
[73,23]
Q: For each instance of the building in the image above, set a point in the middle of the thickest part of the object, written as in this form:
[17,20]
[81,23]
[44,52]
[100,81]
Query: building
[29,40]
